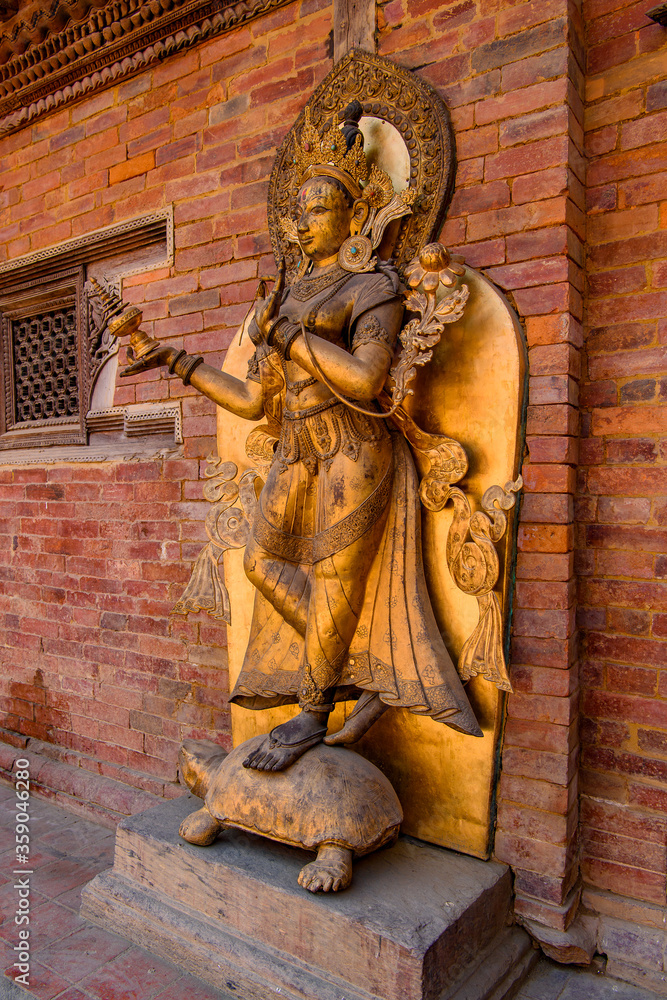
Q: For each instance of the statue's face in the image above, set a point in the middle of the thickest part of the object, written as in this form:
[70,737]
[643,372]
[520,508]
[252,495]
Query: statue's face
[323,219]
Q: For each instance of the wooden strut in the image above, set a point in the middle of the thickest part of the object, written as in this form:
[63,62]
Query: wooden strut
[354,26]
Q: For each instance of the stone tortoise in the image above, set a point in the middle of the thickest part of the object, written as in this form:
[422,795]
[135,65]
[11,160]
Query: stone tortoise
[331,800]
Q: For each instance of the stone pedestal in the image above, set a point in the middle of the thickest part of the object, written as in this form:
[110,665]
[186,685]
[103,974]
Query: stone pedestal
[418,923]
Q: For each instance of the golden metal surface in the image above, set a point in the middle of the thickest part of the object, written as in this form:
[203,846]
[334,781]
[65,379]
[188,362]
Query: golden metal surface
[347,588]
[471,391]
[409,135]
[294,806]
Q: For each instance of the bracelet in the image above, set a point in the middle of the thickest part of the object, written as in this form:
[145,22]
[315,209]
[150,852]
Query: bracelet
[273,329]
[291,336]
[174,361]
[184,367]
[282,334]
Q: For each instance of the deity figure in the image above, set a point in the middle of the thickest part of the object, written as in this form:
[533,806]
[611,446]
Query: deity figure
[326,481]
[342,610]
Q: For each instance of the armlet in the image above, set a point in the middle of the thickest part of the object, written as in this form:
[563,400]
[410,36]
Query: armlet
[370,331]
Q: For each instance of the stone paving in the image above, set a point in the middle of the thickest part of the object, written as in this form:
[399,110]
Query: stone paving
[71,959]
[550,981]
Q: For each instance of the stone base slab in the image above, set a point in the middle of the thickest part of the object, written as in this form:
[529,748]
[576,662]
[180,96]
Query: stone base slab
[418,923]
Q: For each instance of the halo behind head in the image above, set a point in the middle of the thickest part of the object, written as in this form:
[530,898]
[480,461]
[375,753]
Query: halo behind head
[418,122]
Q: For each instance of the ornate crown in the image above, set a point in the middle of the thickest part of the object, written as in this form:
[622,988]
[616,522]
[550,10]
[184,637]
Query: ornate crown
[330,149]
[339,153]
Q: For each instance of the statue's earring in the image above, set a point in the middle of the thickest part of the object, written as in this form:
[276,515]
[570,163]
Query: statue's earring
[356,255]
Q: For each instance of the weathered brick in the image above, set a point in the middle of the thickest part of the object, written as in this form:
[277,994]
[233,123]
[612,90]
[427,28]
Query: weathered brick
[650,129]
[131,168]
[533,823]
[622,165]
[545,538]
[525,43]
[536,793]
[614,110]
[526,159]
[542,242]
[541,185]
[547,507]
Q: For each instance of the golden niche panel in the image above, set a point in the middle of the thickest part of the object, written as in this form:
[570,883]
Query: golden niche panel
[472,391]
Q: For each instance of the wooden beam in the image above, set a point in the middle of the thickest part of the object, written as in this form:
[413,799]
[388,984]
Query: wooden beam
[658,14]
[354,26]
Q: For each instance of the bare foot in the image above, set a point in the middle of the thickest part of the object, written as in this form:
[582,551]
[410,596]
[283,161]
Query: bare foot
[200,828]
[286,743]
[330,872]
[368,710]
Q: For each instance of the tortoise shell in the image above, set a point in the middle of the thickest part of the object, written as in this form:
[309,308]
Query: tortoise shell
[330,795]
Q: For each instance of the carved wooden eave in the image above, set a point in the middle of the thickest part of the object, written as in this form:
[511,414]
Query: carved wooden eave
[53,52]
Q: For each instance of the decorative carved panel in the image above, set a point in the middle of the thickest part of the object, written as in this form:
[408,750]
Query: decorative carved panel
[45,365]
[54,340]
[658,14]
[56,53]
[120,240]
[150,420]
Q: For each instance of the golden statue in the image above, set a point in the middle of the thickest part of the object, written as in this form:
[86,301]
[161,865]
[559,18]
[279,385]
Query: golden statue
[331,517]
[341,487]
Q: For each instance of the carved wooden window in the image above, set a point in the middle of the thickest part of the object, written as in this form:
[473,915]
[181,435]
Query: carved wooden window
[45,362]
[54,342]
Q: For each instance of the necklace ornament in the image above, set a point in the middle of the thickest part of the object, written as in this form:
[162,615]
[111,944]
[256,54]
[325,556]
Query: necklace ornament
[312,284]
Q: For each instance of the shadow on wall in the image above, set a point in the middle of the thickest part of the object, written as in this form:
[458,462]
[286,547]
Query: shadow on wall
[25,713]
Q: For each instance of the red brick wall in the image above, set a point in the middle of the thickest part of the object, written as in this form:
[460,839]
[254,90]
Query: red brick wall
[199,131]
[622,504]
[90,659]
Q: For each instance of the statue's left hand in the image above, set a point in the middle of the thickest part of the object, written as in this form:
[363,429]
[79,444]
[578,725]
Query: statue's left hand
[267,310]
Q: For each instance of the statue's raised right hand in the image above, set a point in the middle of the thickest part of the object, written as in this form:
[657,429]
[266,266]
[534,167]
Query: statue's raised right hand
[159,355]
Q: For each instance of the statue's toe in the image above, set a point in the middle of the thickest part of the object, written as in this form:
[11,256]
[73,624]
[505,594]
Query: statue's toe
[273,755]
[254,759]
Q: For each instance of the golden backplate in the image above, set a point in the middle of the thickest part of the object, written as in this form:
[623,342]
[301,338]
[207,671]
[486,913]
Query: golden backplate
[472,391]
